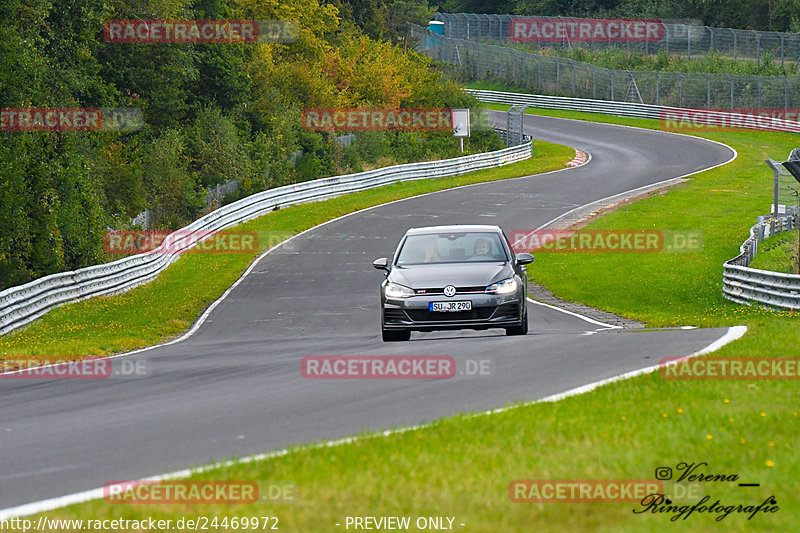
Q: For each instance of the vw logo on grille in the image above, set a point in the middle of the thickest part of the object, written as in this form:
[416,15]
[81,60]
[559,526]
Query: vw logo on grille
[449,291]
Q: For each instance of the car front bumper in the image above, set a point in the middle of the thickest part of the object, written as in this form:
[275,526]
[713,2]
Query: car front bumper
[488,311]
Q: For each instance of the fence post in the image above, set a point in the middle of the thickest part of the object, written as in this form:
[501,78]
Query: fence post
[681,93]
[708,91]
[759,92]
[658,88]
[573,76]
[610,73]
[785,94]
[758,48]
[688,43]
[734,43]
[539,67]
[731,78]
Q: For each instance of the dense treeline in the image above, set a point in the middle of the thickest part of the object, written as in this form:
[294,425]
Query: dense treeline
[213,113]
[775,15]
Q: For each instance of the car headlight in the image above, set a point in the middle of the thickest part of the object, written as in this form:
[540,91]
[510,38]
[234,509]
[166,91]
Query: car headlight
[394,290]
[507,286]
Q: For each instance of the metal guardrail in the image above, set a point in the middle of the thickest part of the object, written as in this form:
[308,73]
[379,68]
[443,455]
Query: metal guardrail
[22,304]
[745,285]
[621,109]
[606,107]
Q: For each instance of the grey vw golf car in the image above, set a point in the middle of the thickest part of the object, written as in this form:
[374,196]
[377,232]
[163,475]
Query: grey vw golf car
[453,277]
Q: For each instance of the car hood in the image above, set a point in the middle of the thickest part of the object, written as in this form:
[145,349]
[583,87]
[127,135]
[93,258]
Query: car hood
[456,274]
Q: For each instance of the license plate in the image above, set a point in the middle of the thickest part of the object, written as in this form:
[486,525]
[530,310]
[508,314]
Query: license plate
[450,307]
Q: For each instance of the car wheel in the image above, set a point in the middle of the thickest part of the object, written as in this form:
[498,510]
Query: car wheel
[522,329]
[395,336]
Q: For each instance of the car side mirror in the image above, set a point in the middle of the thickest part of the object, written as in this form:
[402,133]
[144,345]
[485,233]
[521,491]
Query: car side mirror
[381,264]
[524,259]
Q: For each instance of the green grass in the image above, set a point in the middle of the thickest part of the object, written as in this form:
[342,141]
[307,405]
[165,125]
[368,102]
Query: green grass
[166,307]
[462,466]
[713,63]
[682,289]
[778,253]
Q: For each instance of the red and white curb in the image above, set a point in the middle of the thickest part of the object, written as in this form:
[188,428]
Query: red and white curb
[581,158]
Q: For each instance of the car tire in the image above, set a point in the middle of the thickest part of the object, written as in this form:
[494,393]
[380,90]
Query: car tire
[522,329]
[395,336]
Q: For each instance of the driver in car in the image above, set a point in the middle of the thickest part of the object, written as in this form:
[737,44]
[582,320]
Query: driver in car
[482,249]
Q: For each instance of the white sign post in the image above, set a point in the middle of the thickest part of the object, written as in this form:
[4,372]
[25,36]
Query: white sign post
[461,125]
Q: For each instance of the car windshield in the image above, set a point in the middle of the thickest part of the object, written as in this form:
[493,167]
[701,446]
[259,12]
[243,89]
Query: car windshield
[451,248]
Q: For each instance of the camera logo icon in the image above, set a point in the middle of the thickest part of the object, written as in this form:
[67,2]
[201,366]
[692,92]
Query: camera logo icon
[663,473]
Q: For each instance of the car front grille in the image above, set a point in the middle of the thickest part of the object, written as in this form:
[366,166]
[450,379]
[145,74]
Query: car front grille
[459,290]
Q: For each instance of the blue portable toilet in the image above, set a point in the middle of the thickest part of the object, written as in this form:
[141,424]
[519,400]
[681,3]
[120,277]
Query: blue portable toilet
[437,27]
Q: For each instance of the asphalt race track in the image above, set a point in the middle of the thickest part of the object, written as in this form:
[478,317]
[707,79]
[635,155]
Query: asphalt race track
[234,388]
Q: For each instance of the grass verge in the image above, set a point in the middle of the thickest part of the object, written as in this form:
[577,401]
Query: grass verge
[166,307]
[462,467]
[778,253]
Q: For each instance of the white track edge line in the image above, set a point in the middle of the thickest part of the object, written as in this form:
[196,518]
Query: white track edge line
[733,333]
[573,313]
